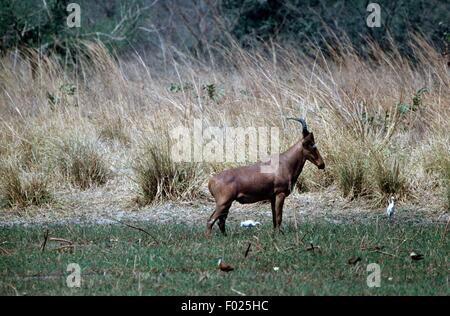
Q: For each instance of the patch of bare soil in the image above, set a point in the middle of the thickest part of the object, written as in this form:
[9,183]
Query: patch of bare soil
[113,203]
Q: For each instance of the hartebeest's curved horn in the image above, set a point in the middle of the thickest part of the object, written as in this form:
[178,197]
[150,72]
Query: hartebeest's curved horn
[303,122]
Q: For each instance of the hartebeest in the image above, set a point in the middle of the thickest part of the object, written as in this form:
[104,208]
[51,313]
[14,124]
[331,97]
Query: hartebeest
[249,185]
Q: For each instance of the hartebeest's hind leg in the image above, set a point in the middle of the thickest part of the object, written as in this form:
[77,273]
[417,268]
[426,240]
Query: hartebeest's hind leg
[220,214]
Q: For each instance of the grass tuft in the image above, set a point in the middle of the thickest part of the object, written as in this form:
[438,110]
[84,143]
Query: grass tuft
[160,178]
[438,163]
[389,178]
[351,178]
[83,165]
[114,130]
[19,189]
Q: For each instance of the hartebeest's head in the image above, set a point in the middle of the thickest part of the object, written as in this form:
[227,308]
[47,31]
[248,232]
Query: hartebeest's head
[309,148]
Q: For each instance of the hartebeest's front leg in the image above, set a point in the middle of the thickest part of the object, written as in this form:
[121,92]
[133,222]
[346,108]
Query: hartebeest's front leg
[279,202]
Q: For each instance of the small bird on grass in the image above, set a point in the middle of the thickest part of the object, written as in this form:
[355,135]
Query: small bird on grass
[390,211]
[354,260]
[416,256]
[224,267]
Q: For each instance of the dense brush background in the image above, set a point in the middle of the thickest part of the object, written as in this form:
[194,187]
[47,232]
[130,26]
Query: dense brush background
[90,109]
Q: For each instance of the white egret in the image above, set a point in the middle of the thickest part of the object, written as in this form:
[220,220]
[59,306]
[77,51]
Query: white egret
[390,211]
[250,223]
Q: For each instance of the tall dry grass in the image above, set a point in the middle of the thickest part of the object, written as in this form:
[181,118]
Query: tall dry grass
[381,124]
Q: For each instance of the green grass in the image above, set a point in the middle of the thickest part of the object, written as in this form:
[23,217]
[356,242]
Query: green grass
[117,260]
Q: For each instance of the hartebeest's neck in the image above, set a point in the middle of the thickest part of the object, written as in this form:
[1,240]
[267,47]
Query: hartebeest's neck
[295,159]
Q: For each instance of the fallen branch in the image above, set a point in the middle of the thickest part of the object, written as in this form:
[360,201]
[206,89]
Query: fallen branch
[60,240]
[248,250]
[137,228]
[15,290]
[236,291]
[446,229]
[276,247]
[313,248]
[5,251]
[45,240]
[64,247]
[385,253]
[401,244]
[372,248]
[361,244]
[290,248]
[301,240]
